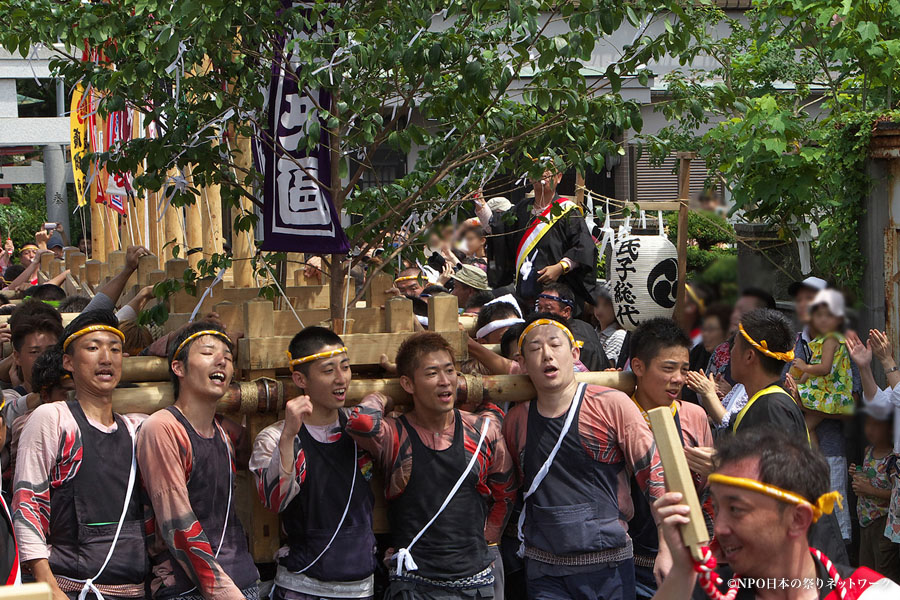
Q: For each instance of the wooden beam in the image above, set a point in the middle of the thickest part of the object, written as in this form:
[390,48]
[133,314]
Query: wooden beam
[376,294]
[398,316]
[149,397]
[28,591]
[684,192]
[443,313]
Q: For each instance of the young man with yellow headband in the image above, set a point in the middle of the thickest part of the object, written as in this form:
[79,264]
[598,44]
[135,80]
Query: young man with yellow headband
[187,459]
[768,489]
[575,446]
[660,359]
[449,480]
[313,474]
[77,511]
[762,346]
[409,283]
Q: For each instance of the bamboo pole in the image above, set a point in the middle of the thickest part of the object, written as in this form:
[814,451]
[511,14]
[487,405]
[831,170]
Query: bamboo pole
[98,233]
[241,241]
[193,229]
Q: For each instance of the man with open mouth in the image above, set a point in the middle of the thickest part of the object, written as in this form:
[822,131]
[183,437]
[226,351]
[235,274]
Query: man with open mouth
[313,474]
[186,454]
[575,446]
[448,476]
[77,510]
[660,359]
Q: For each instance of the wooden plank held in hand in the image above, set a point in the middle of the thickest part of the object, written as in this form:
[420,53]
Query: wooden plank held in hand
[678,477]
[28,591]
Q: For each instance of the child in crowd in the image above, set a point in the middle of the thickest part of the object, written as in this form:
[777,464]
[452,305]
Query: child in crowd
[872,486]
[826,382]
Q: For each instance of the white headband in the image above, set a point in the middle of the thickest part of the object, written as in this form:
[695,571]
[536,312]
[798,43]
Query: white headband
[495,325]
[507,299]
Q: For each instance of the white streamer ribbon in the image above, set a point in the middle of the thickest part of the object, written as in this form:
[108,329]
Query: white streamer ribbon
[207,292]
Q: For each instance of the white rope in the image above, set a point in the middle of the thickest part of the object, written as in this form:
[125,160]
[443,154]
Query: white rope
[405,560]
[89,586]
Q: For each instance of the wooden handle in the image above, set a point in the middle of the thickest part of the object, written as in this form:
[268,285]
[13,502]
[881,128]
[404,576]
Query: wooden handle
[678,477]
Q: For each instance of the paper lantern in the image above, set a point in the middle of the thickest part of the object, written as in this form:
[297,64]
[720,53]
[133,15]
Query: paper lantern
[644,279]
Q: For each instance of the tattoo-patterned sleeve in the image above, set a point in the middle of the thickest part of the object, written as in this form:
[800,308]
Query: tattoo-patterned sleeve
[373,432]
[50,452]
[515,427]
[276,487]
[164,456]
[498,481]
[612,429]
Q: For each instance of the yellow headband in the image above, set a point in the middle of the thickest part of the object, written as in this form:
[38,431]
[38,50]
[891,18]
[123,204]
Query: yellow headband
[406,278]
[194,336]
[91,329]
[305,359]
[553,322]
[697,300]
[764,348]
[824,505]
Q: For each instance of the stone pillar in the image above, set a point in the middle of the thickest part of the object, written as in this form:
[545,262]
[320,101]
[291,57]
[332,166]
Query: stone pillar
[55,194]
[879,238]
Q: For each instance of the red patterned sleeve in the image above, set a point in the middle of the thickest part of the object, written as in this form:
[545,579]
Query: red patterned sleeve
[498,481]
[50,452]
[612,429]
[164,457]
[374,432]
[275,487]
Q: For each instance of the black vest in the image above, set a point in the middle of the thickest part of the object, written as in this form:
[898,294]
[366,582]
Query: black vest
[454,546]
[575,509]
[85,510]
[208,490]
[312,517]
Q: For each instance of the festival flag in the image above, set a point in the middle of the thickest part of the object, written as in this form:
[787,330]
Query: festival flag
[298,214]
[80,142]
[118,186]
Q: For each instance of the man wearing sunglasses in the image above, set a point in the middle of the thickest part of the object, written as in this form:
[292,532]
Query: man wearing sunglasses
[557,298]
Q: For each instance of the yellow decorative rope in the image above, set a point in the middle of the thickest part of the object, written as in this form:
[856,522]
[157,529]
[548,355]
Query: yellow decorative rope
[824,504]
[194,336]
[305,359]
[553,322]
[764,348]
[91,329]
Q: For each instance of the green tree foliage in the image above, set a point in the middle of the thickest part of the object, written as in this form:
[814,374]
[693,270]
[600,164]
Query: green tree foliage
[797,87]
[486,79]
